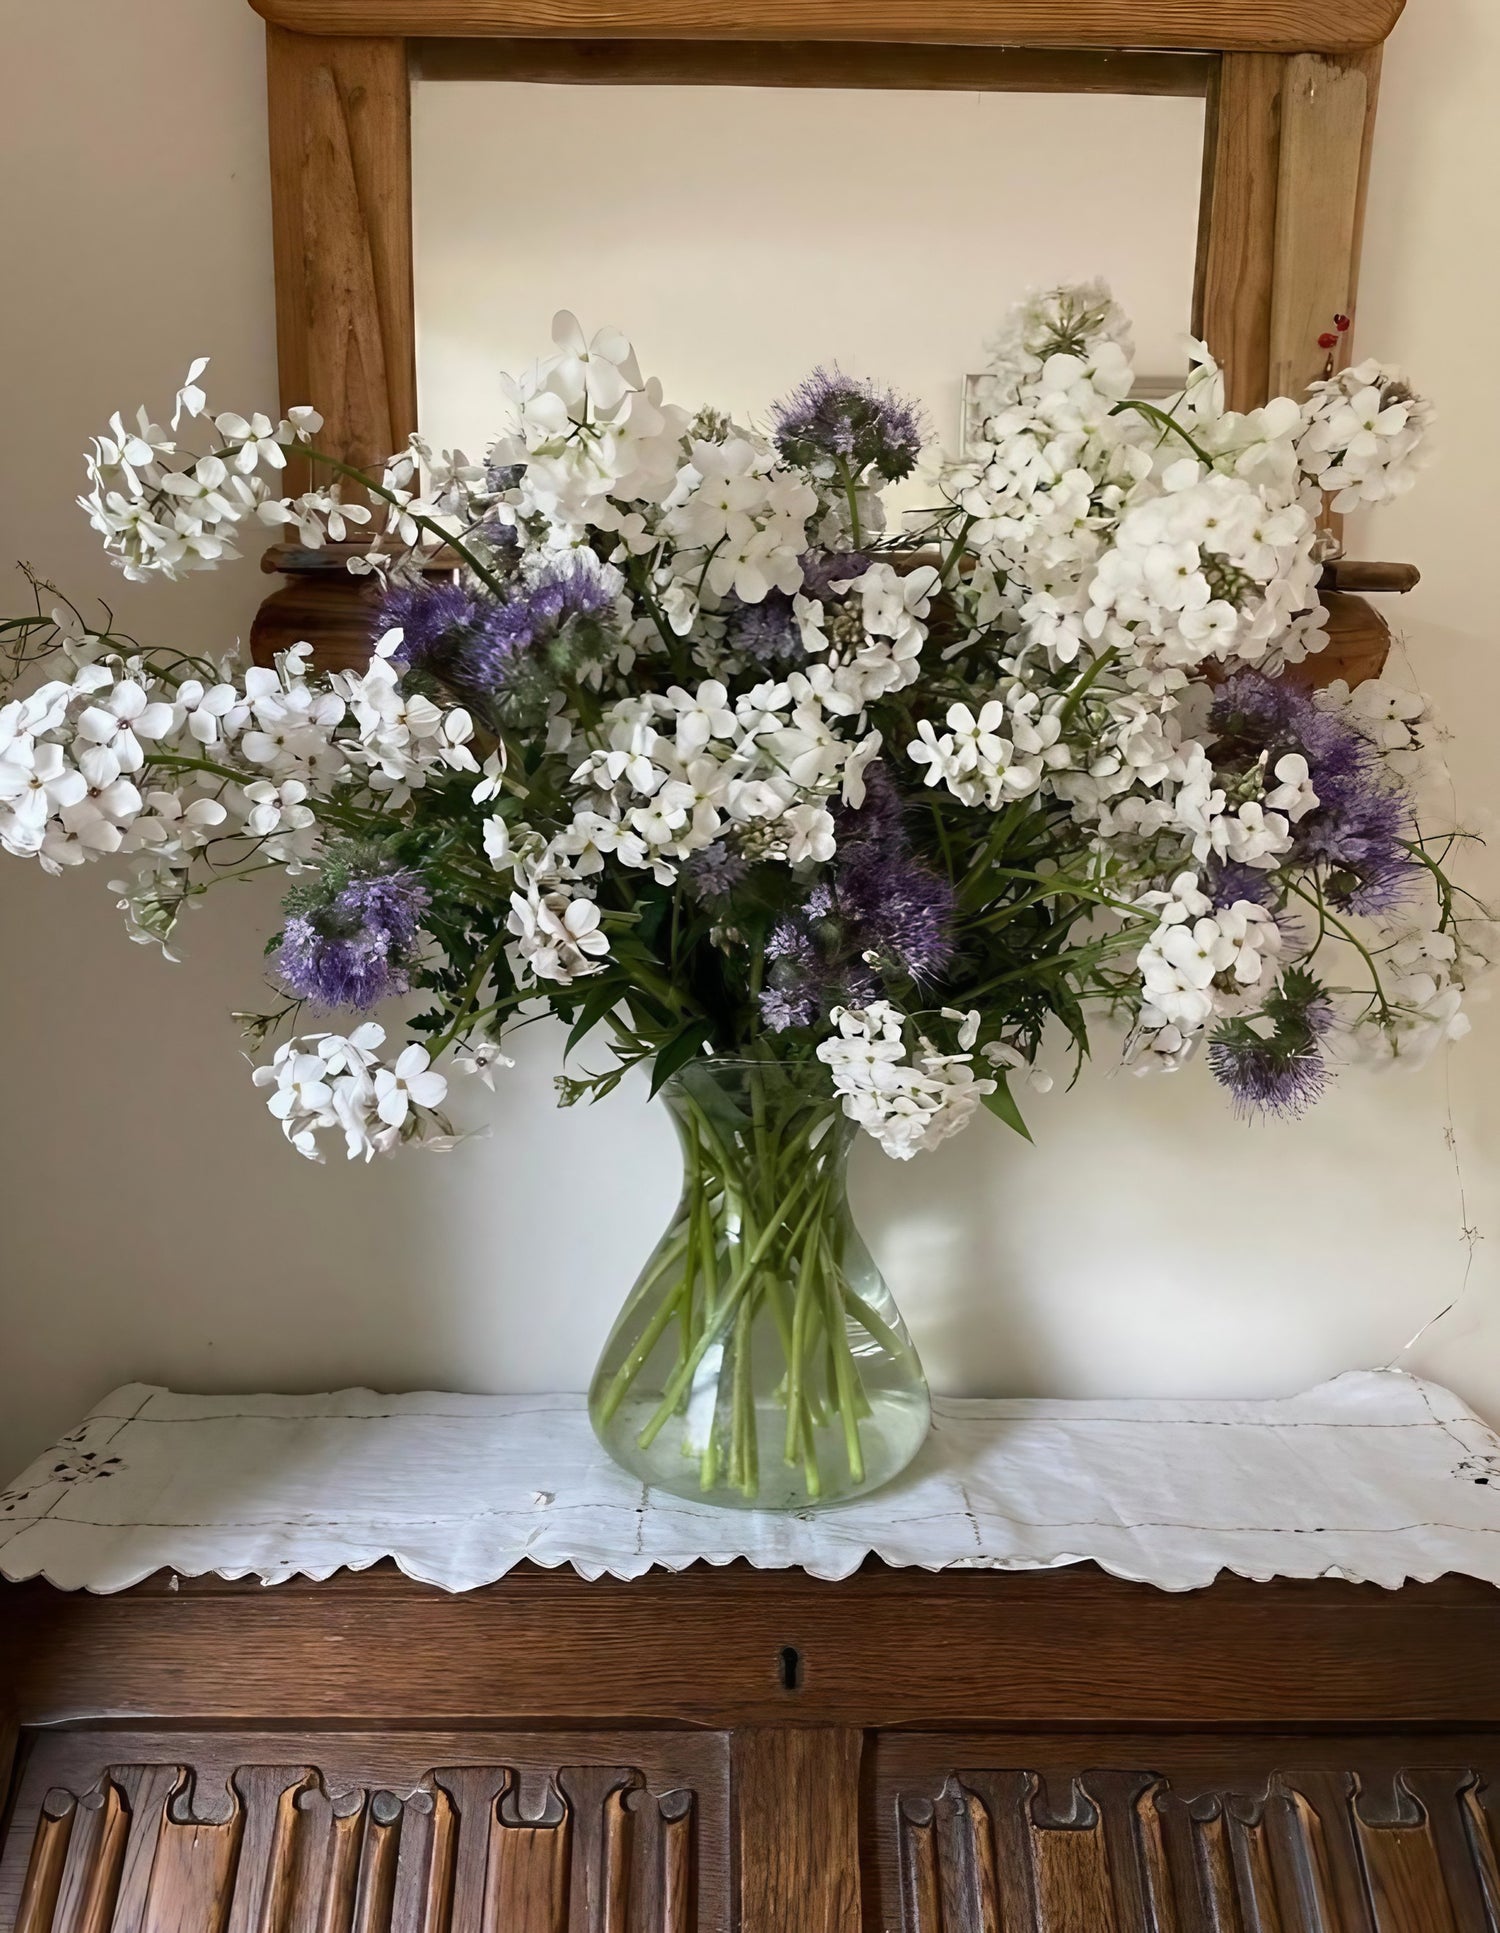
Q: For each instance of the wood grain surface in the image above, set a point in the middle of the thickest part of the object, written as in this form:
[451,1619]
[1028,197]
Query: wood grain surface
[705,1647]
[812,63]
[1276,25]
[797,1828]
[340,143]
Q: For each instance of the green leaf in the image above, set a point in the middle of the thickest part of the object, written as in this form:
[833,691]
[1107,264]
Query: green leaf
[677,1051]
[593,1010]
[1003,1103]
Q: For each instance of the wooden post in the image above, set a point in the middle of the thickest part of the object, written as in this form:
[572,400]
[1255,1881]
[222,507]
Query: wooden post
[1234,285]
[1327,109]
[340,133]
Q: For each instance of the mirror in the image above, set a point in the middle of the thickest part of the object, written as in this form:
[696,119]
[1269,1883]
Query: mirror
[740,235]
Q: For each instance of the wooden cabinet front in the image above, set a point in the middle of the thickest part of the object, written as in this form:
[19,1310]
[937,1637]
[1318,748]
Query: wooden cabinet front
[742,1752]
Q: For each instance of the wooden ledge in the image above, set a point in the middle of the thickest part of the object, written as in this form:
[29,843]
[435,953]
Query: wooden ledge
[813,63]
[707,1646]
[1257,26]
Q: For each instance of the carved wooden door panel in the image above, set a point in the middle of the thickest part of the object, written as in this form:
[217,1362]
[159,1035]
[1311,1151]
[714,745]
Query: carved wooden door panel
[976,1835]
[369,1833]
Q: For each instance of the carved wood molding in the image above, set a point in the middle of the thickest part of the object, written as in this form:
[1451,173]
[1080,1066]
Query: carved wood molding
[1282,26]
[277,1842]
[1344,1838]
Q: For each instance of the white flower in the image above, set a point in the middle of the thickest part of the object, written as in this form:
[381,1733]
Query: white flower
[906,1106]
[809,834]
[700,716]
[558,938]
[481,1061]
[125,718]
[276,808]
[497,844]
[1361,431]
[410,1083]
[255,438]
[491,783]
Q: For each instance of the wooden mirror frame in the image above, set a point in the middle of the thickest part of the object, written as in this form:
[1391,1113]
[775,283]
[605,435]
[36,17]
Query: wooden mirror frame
[1290,88]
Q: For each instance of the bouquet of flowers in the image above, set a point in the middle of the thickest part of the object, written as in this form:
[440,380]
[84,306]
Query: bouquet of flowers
[667,729]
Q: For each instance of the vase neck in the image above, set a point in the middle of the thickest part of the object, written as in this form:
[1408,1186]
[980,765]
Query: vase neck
[730,1113]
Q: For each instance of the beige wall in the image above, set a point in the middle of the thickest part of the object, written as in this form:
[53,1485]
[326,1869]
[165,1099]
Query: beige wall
[153,1226]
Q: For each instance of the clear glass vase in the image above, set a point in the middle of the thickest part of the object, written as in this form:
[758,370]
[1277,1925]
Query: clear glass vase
[760,1360]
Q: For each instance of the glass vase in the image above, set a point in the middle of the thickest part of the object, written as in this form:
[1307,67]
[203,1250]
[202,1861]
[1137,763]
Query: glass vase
[760,1360]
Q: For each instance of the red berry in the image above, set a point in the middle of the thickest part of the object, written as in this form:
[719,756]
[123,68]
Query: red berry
[1328,340]
[1341,323]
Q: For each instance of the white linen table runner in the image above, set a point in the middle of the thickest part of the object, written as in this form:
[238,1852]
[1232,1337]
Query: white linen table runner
[1374,1476]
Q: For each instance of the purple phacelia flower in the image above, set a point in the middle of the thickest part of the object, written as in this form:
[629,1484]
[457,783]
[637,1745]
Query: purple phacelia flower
[766,633]
[567,590]
[879,911]
[1357,835]
[897,907]
[712,874]
[781,1008]
[433,619]
[1229,881]
[1263,1081]
[354,948]
[831,418]
[1280,1071]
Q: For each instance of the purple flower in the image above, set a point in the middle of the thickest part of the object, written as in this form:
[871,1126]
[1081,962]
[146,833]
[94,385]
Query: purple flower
[1265,1082]
[879,912]
[1231,881]
[852,421]
[432,617]
[1281,1072]
[568,592]
[712,874]
[767,632]
[1357,833]
[781,1009]
[897,907]
[352,946]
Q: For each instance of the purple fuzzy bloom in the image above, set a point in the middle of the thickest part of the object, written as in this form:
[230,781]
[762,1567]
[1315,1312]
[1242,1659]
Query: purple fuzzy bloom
[897,906]
[354,951]
[853,421]
[566,589]
[1263,1081]
[767,632]
[712,874]
[1359,834]
[431,617]
[790,941]
[489,653]
[781,1008]
[533,614]
[1358,831]
[1231,881]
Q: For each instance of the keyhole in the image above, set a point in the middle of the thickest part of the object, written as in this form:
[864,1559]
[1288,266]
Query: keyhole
[790,1662]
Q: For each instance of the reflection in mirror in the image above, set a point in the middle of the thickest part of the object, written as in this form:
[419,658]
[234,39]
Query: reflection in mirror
[740,235]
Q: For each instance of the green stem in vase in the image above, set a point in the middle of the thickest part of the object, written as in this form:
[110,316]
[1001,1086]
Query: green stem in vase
[748,1331]
[654,1330]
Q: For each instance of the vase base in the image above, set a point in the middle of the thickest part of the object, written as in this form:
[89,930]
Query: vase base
[888,1438]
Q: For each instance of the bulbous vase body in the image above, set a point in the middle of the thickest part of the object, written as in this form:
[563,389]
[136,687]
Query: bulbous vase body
[760,1360]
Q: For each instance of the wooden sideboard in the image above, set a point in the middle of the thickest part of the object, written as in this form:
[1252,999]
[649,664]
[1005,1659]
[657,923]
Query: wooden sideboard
[971,1752]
